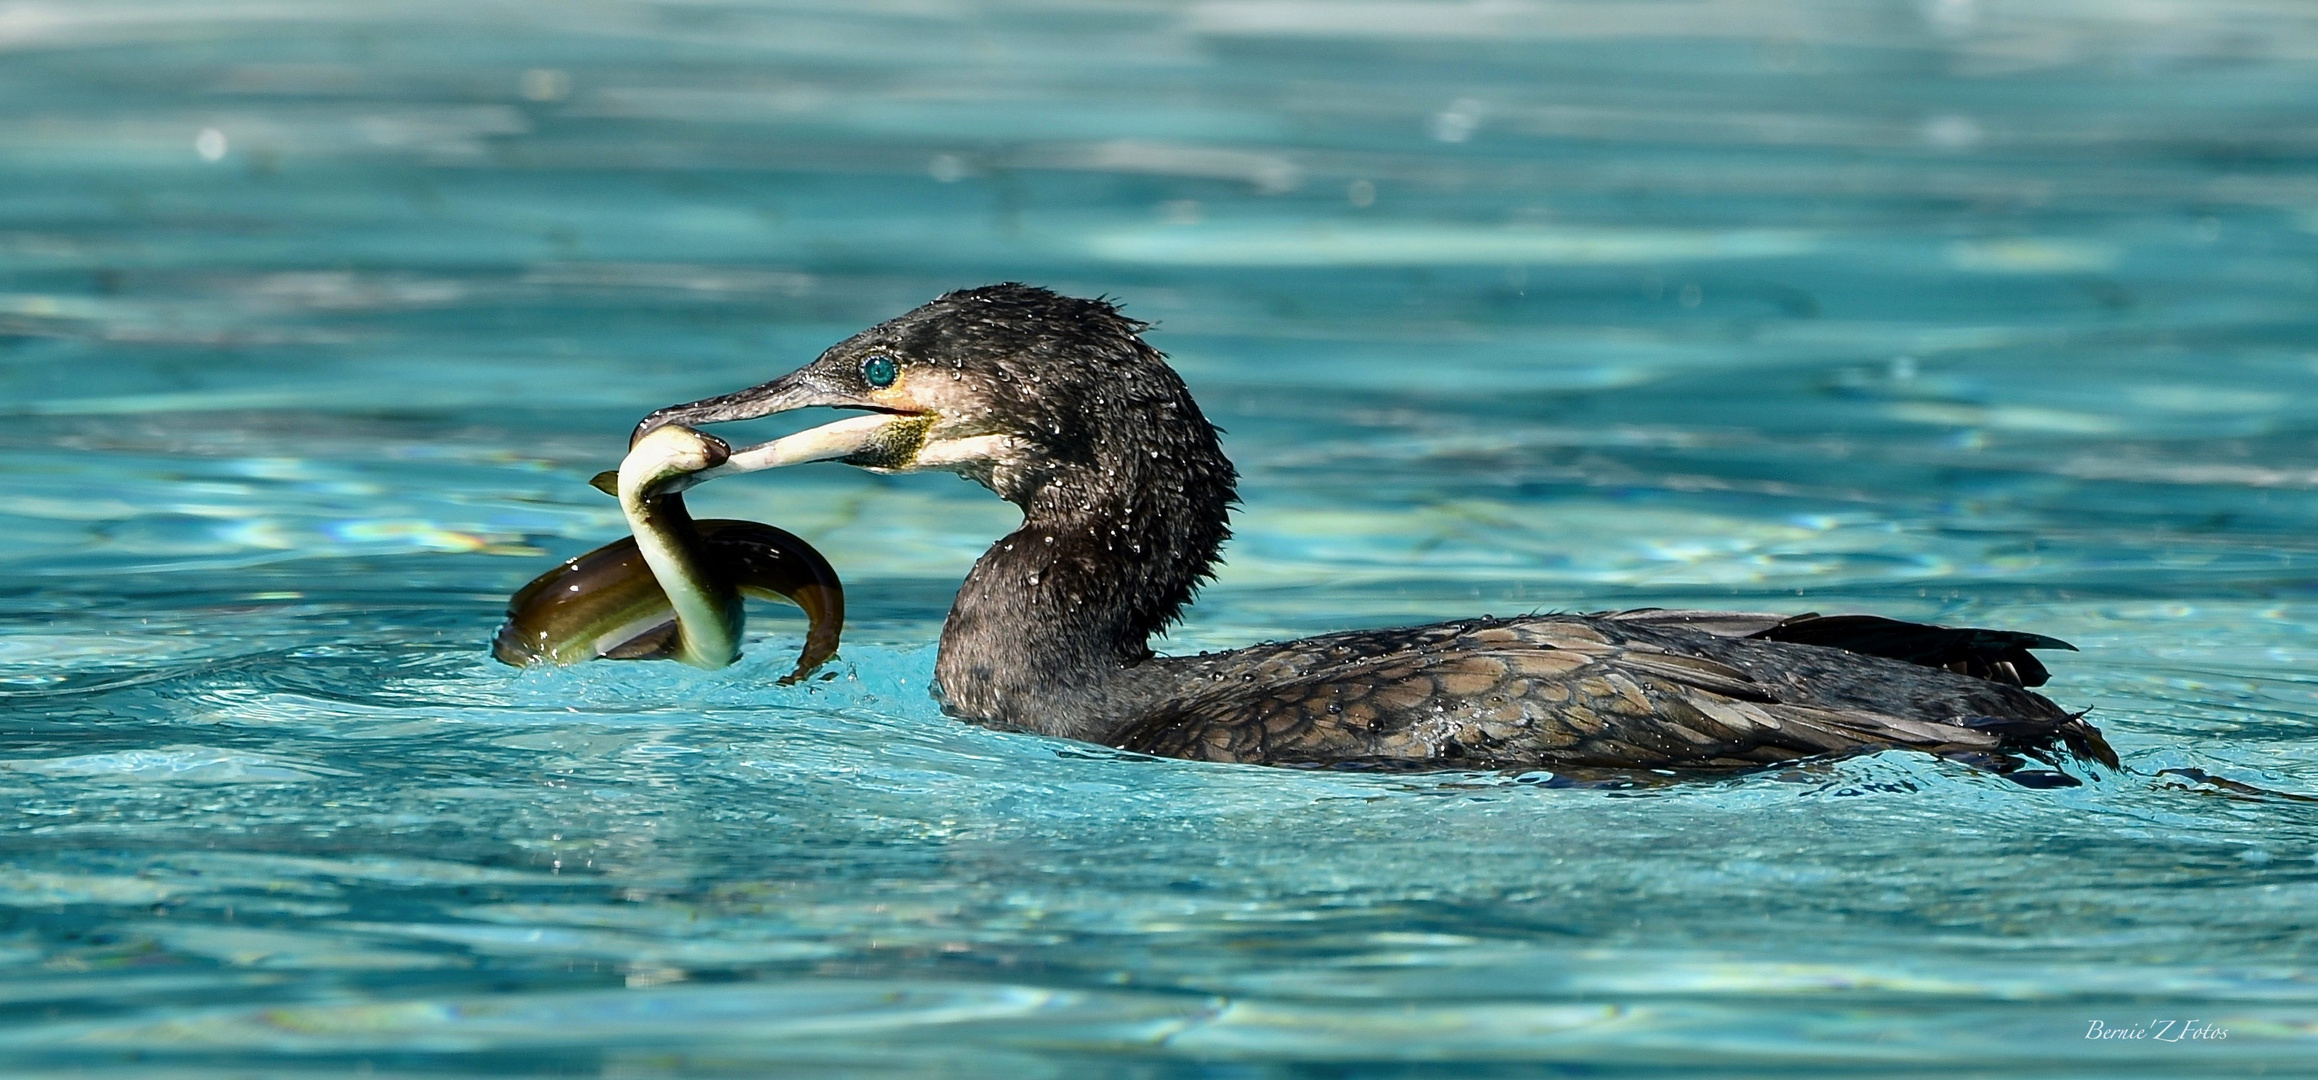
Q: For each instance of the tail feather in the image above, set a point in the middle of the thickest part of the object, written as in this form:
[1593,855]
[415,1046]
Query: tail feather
[1997,655]
[2085,741]
[2030,735]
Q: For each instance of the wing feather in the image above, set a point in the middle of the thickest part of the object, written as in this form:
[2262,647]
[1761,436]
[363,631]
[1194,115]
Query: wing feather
[1542,691]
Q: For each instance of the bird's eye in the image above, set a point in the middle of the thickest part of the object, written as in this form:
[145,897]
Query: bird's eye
[879,371]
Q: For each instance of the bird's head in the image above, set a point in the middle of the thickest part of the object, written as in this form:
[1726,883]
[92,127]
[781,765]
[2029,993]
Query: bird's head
[1010,385]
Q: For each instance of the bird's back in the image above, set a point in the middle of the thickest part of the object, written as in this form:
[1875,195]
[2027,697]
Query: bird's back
[1631,690]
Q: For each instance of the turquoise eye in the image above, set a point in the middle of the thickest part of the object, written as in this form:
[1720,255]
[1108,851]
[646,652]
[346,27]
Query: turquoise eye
[879,371]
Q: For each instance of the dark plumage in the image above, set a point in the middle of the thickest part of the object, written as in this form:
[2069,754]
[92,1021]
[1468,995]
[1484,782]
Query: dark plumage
[1059,406]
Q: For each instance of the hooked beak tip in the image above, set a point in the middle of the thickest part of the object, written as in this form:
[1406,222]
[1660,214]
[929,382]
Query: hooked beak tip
[780,395]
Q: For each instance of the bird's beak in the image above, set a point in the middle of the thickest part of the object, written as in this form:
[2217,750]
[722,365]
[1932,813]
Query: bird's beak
[800,389]
[887,440]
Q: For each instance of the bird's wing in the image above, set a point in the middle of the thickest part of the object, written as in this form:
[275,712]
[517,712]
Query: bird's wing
[1537,691]
[1997,655]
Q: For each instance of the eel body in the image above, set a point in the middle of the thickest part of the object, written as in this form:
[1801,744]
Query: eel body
[672,589]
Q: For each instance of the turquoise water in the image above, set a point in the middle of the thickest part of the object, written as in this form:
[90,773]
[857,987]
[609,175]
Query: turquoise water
[315,319]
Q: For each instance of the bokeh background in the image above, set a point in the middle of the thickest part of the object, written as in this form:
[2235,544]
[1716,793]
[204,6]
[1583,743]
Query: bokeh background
[315,317]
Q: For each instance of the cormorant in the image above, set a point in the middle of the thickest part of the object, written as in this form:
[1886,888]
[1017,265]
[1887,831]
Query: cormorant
[1059,406]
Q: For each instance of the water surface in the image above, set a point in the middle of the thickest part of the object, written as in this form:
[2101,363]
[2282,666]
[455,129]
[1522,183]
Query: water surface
[315,319]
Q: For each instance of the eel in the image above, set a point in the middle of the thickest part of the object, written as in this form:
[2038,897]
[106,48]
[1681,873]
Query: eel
[672,589]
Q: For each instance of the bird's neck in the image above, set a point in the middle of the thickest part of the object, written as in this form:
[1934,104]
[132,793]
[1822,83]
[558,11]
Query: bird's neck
[1055,615]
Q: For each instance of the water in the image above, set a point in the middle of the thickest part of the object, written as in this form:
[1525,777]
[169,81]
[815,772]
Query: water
[313,323]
